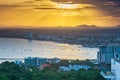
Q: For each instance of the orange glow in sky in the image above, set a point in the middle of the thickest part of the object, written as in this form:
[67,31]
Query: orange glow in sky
[48,13]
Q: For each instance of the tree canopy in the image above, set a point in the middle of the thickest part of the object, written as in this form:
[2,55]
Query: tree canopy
[12,71]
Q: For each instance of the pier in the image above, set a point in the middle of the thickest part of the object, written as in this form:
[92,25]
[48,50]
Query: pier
[11,58]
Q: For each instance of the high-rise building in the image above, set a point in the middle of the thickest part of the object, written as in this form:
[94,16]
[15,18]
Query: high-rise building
[37,61]
[114,74]
[107,52]
[30,35]
[34,61]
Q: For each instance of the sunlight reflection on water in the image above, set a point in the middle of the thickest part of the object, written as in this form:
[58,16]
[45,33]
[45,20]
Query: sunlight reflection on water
[20,48]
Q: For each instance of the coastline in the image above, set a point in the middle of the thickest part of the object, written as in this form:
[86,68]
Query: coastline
[63,42]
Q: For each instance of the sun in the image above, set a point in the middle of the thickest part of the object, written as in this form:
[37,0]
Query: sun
[68,6]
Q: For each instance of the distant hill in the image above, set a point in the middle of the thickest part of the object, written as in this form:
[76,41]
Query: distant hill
[118,26]
[61,27]
[96,27]
[87,27]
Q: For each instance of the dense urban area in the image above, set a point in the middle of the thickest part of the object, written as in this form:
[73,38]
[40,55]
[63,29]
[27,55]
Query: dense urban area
[88,36]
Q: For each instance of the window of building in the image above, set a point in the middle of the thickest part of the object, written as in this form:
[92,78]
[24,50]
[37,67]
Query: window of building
[116,55]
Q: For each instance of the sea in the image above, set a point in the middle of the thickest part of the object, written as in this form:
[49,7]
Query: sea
[13,48]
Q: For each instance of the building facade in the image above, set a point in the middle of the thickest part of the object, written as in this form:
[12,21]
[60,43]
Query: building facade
[107,52]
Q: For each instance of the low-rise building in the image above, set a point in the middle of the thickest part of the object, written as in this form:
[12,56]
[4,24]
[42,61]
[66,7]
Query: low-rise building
[19,62]
[73,67]
[53,60]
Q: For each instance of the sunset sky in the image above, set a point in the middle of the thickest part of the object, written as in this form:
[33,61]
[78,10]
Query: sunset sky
[64,13]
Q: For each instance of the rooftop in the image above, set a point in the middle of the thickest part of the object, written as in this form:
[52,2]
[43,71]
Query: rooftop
[107,75]
[116,59]
[110,44]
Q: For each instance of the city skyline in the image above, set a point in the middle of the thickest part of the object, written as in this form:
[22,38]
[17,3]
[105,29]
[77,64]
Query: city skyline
[59,13]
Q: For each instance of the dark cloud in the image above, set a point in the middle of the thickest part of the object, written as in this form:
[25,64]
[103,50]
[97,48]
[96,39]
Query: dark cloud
[6,7]
[109,7]
[94,2]
[39,8]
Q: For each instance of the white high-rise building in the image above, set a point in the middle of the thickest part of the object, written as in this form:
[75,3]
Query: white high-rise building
[115,70]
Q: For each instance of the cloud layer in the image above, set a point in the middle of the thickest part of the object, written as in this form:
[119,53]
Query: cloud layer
[59,12]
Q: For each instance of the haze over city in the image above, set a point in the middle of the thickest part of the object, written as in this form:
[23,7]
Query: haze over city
[59,13]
